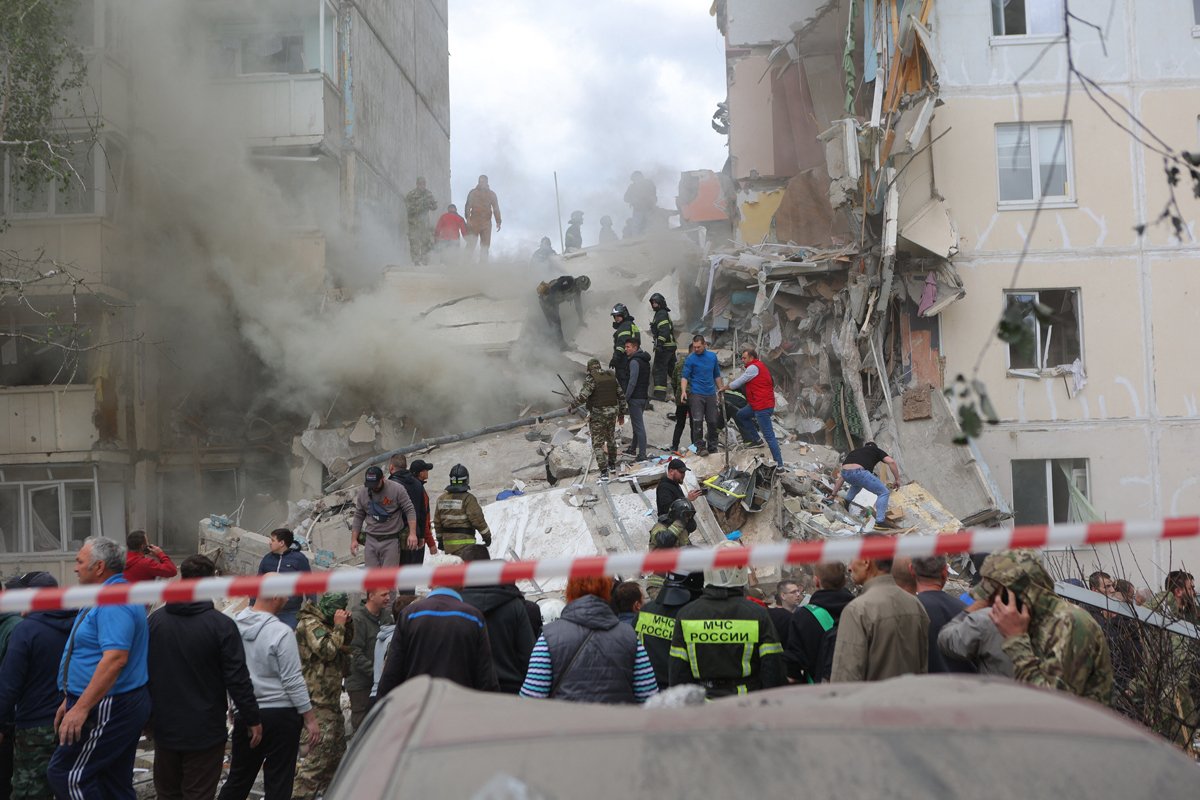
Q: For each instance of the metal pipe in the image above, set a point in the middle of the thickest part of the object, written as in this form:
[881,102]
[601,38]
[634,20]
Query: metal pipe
[439,440]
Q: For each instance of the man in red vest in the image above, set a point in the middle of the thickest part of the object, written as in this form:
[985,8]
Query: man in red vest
[760,402]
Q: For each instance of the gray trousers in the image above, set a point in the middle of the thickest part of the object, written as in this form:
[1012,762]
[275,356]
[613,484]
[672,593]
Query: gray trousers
[636,410]
[382,552]
[704,408]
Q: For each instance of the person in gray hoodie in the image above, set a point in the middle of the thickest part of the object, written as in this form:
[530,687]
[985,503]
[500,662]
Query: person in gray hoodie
[972,636]
[384,638]
[283,702]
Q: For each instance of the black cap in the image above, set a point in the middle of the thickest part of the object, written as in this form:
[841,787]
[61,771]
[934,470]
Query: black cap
[419,466]
[374,476]
[677,463]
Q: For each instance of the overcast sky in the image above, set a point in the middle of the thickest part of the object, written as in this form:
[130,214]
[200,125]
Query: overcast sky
[592,90]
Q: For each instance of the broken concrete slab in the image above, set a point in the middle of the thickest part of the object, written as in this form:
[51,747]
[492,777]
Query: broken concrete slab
[363,432]
[569,459]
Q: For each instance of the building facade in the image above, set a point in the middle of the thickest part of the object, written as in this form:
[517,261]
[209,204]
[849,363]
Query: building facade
[339,106]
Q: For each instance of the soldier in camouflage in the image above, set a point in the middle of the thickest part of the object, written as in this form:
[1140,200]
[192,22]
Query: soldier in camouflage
[1170,673]
[607,408]
[1051,642]
[323,635]
[419,202]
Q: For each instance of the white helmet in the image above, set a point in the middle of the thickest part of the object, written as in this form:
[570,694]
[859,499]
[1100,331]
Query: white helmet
[552,609]
[727,577]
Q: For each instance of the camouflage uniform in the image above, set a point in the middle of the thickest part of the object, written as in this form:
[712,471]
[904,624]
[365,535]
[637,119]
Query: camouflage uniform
[32,748]
[605,403]
[1064,648]
[419,203]
[324,659]
[1168,675]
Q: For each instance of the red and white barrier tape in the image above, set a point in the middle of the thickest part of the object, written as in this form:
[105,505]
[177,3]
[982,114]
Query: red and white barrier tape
[484,573]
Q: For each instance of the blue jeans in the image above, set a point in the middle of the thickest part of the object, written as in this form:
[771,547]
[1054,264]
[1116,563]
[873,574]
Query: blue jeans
[860,478]
[746,415]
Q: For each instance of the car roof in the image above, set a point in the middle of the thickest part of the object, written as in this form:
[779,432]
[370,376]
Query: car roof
[431,735]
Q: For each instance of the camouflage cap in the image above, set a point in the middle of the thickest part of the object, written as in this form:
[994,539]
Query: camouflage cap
[1016,569]
[593,365]
[331,602]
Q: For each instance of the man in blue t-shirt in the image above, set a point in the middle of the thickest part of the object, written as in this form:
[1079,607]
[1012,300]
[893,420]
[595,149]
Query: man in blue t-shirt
[103,677]
[700,384]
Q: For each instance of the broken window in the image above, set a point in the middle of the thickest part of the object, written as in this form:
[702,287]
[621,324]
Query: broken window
[297,45]
[46,509]
[1033,162]
[1028,17]
[1053,319]
[1047,491]
[43,355]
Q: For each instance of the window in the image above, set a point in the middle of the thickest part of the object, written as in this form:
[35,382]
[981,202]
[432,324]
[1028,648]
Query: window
[46,509]
[44,355]
[1053,318]
[1033,162]
[1028,17]
[1049,491]
[301,45]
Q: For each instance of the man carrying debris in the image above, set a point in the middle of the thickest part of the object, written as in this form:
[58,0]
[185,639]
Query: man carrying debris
[670,488]
[858,470]
[420,535]
[481,206]
[655,624]
[552,294]
[323,637]
[760,403]
[723,642]
[701,383]
[419,202]
[884,632]
[663,331]
[457,515]
[676,524]
[574,238]
[812,637]
[606,410]
[1051,642]
[383,513]
[637,395]
[624,329]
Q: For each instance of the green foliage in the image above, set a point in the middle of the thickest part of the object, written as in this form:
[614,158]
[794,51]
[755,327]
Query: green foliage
[40,66]
[974,407]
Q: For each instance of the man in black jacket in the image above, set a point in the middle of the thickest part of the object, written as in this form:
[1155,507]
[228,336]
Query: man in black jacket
[807,661]
[637,394]
[195,659]
[670,488]
[443,637]
[510,633]
[655,623]
[420,536]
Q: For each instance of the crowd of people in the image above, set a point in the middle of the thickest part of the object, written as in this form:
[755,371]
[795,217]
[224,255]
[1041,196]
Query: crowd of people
[79,690]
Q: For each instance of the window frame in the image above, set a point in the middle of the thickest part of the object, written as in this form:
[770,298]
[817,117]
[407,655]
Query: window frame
[999,36]
[1049,466]
[1068,200]
[1040,367]
[66,515]
[102,174]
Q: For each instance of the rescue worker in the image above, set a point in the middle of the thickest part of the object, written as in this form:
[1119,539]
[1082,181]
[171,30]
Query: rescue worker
[637,395]
[723,642]
[663,331]
[607,234]
[482,204]
[552,294]
[457,516]
[642,197]
[323,636]
[624,329]
[574,237]
[655,624]
[543,258]
[419,202]
[677,522]
[606,410]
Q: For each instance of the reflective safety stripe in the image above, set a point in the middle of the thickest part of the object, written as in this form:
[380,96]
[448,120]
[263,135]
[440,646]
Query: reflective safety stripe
[770,649]
[679,652]
[720,631]
[747,655]
[655,625]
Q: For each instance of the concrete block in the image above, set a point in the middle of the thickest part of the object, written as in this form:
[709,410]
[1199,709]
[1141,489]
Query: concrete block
[569,459]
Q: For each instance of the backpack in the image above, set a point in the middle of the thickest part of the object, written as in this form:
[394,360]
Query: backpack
[824,659]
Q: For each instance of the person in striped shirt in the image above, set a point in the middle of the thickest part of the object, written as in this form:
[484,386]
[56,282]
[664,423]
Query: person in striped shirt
[586,655]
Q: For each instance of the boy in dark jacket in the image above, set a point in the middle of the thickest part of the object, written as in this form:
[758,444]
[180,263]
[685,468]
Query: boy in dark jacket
[29,696]
[806,661]
[510,633]
[285,556]
[195,659]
